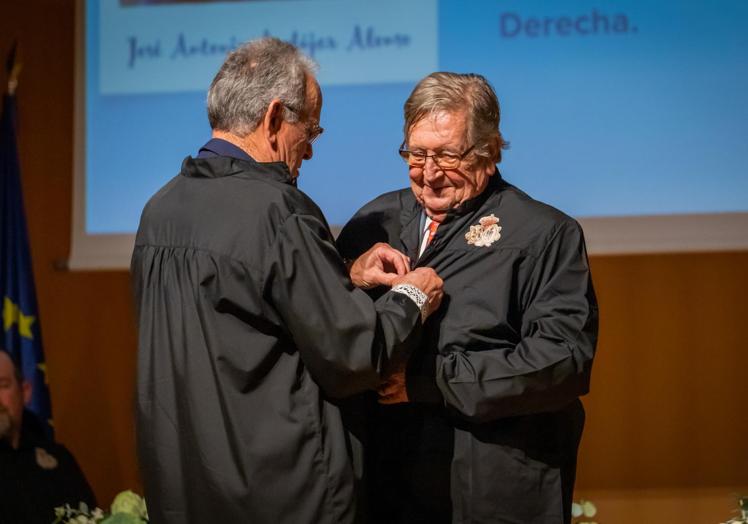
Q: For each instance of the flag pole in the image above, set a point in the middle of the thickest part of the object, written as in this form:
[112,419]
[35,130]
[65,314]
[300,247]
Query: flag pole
[13,68]
[21,333]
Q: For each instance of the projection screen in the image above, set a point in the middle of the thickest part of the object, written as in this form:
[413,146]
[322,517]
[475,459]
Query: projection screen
[631,116]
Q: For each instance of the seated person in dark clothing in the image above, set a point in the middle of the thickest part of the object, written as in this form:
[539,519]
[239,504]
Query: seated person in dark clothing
[36,473]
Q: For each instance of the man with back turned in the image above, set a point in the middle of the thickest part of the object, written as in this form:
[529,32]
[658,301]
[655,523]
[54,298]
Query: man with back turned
[250,322]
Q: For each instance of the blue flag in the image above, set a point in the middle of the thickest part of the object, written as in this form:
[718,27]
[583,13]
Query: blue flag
[20,318]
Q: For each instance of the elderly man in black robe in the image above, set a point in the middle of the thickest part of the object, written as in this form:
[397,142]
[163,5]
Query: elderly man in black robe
[483,421]
[249,321]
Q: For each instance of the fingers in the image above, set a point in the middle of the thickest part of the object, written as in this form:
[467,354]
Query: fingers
[393,390]
[433,304]
[391,258]
[384,265]
[425,279]
[380,265]
[380,277]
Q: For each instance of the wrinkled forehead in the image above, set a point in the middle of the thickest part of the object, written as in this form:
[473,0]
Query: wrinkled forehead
[313,96]
[449,126]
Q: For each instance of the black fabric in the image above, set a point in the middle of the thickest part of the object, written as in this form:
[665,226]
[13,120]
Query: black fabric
[248,326]
[494,385]
[29,492]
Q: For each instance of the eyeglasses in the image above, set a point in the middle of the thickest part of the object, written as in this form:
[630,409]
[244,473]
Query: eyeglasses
[312,129]
[444,159]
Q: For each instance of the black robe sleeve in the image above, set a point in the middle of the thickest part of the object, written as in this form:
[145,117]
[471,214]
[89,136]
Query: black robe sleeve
[550,366]
[344,339]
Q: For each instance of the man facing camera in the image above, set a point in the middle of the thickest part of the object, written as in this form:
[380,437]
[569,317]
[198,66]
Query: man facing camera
[249,321]
[483,421]
[36,474]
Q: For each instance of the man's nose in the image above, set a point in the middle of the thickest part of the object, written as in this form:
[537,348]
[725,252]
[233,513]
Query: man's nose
[431,169]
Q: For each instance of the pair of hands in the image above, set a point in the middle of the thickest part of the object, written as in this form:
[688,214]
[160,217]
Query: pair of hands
[383,265]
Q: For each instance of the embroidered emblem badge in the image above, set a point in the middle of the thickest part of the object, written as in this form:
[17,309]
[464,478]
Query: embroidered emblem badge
[485,233]
[44,459]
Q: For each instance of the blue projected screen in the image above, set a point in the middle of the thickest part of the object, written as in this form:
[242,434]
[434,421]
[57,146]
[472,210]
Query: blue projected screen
[612,108]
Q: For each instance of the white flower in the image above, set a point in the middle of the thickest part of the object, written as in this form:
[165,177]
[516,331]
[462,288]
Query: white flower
[129,503]
[588,508]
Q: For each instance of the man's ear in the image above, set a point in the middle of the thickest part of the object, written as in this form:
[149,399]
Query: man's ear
[494,153]
[272,121]
[26,390]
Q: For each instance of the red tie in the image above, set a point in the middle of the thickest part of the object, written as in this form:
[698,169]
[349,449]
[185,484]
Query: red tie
[432,231]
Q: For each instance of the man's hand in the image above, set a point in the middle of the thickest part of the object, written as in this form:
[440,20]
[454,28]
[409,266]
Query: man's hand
[425,279]
[392,390]
[381,265]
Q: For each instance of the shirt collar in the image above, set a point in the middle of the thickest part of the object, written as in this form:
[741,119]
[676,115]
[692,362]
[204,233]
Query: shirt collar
[425,221]
[219,158]
[219,147]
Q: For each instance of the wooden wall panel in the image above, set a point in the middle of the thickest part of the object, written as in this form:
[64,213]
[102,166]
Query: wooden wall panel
[669,386]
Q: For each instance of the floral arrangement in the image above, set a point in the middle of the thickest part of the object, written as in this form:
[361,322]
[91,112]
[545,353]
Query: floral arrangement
[743,510]
[127,508]
[582,511]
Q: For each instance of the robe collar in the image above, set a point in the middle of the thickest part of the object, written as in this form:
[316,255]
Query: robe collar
[219,158]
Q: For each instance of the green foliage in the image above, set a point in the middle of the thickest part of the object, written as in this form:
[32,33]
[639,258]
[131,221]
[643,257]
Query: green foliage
[127,508]
[583,510]
[123,518]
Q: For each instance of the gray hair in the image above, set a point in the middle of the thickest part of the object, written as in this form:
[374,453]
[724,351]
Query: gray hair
[252,76]
[453,92]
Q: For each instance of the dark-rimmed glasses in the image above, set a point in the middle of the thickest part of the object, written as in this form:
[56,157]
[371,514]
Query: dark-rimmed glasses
[443,159]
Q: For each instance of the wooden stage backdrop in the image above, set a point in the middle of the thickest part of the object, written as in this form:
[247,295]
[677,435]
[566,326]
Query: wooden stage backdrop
[667,427]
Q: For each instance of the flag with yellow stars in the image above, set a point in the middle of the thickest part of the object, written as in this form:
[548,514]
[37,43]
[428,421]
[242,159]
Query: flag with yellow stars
[21,336]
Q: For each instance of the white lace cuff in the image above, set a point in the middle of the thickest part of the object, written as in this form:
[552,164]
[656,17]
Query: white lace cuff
[413,293]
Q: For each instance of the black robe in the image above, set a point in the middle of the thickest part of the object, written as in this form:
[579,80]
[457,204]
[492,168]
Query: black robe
[494,423]
[248,323]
